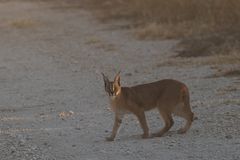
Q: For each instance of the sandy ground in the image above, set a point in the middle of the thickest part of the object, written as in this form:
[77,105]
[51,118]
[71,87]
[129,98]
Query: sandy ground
[53,105]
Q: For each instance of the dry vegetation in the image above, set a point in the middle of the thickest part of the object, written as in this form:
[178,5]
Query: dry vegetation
[92,40]
[207,27]
[98,43]
[23,23]
[232,72]
[187,16]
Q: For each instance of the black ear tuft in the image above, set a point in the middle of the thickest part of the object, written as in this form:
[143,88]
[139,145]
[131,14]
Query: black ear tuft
[105,79]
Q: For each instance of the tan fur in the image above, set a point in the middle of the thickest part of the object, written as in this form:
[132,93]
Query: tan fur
[168,96]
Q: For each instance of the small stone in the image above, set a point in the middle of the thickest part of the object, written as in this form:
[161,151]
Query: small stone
[22,142]
[78,128]
[228,137]
[128,74]
[34,147]
[197,131]
[71,112]
[75,62]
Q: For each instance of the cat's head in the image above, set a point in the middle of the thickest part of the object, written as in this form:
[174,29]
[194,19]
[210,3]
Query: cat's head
[113,88]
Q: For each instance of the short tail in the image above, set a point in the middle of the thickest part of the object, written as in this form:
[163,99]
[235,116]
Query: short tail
[186,101]
[185,96]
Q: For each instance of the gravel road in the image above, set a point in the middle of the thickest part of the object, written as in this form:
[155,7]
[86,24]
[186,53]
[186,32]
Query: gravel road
[53,105]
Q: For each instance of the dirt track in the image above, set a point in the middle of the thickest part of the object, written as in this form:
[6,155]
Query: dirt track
[52,101]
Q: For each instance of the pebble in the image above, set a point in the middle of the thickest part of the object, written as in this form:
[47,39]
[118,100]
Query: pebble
[228,137]
[128,74]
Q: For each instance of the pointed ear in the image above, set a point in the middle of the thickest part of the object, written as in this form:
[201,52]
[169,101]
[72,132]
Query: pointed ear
[105,79]
[117,78]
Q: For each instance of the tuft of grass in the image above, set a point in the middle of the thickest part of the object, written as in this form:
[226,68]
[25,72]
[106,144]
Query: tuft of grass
[92,40]
[199,61]
[23,23]
[227,90]
[227,73]
[232,73]
[100,44]
[232,102]
[106,47]
[213,44]
[155,31]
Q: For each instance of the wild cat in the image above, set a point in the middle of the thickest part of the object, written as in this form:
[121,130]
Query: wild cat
[168,96]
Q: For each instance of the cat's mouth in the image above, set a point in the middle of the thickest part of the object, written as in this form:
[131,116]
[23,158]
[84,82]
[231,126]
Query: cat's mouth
[112,97]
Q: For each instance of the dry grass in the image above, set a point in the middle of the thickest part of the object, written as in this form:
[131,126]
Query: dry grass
[212,44]
[93,40]
[23,23]
[99,43]
[202,16]
[156,31]
[106,47]
[232,102]
[210,26]
[212,60]
[233,72]
[226,90]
